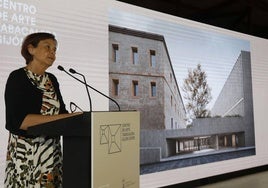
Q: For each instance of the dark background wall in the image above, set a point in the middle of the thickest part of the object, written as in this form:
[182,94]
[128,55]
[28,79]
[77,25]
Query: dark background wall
[245,16]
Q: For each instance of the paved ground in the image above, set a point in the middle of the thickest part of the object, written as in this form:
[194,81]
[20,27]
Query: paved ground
[196,158]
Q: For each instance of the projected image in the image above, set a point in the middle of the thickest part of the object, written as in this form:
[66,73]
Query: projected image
[193,88]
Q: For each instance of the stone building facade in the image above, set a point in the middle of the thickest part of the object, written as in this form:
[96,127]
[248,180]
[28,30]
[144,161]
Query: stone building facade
[142,78]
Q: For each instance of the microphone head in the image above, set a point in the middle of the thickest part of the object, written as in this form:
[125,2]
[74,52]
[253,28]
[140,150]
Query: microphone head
[72,71]
[60,68]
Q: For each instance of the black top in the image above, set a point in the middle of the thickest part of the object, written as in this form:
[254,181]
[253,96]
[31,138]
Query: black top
[23,98]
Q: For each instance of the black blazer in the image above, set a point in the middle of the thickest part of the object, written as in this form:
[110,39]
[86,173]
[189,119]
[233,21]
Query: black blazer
[23,98]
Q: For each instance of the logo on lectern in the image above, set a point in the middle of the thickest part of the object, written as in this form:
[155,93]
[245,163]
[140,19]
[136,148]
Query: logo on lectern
[111,135]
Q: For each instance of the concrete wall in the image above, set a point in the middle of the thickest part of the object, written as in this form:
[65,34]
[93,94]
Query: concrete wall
[202,127]
[236,96]
[231,98]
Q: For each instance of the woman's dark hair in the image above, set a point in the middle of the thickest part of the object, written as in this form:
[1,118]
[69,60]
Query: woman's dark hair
[33,39]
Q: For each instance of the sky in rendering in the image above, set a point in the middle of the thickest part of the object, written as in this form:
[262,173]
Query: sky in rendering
[189,46]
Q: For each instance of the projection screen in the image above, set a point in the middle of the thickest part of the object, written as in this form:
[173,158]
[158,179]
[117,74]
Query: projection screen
[94,35]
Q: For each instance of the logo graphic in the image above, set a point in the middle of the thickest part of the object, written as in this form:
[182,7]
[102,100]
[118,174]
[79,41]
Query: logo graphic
[111,135]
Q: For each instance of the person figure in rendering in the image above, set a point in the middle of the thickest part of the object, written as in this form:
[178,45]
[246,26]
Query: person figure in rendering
[32,96]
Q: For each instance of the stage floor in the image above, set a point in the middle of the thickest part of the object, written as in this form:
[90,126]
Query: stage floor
[255,180]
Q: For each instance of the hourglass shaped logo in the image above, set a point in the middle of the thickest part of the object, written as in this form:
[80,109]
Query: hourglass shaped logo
[111,135]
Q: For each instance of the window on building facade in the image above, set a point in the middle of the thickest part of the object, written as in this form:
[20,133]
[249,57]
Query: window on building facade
[115,87]
[152,58]
[115,52]
[171,100]
[153,89]
[135,88]
[134,55]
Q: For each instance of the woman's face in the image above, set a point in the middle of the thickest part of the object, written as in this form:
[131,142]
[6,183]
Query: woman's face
[45,52]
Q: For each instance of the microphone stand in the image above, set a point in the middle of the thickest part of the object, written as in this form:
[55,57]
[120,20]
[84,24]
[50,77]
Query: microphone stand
[62,69]
[74,72]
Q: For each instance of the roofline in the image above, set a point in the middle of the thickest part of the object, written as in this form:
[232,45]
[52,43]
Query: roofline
[136,33]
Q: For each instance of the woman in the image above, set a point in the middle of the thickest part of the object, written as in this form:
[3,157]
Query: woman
[32,96]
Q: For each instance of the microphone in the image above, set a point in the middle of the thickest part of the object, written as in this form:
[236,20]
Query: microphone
[62,69]
[74,72]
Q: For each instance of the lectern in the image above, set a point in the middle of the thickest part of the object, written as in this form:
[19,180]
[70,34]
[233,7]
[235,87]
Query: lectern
[100,149]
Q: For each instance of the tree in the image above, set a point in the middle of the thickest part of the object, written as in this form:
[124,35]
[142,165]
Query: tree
[197,93]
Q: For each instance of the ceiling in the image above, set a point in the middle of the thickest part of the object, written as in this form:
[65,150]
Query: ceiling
[245,16]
